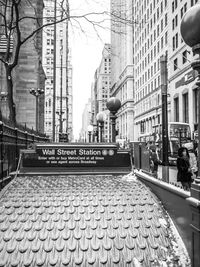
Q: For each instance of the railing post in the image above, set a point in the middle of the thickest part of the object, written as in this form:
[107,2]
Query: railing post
[1,151]
[194,202]
[16,147]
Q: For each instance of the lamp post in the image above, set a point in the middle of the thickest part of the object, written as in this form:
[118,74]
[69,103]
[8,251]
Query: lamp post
[61,89]
[37,92]
[113,105]
[101,117]
[165,160]
[90,129]
[190,31]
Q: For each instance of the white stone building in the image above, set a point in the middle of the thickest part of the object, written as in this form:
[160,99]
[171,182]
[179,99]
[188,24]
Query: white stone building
[122,66]
[64,93]
[182,88]
[150,41]
[85,135]
[101,90]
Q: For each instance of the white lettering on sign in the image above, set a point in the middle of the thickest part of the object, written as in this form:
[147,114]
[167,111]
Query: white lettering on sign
[62,152]
[90,152]
[48,152]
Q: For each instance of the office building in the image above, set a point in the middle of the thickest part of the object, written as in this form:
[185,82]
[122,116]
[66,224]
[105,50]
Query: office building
[101,91]
[182,87]
[63,76]
[28,73]
[150,42]
[122,66]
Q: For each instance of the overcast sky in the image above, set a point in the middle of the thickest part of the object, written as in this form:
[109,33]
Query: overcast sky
[87,46]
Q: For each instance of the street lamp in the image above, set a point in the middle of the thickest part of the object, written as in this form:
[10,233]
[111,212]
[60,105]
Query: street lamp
[101,117]
[90,129]
[190,31]
[37,93]
[113,105]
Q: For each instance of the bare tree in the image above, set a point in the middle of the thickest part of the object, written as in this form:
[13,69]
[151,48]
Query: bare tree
[14,14]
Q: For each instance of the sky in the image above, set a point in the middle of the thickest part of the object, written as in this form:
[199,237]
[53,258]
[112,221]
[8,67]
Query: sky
[86,46]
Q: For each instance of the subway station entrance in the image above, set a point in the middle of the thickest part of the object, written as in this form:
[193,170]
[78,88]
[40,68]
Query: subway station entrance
[80,205]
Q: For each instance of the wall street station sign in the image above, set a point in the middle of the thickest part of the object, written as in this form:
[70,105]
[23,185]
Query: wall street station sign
[76,155]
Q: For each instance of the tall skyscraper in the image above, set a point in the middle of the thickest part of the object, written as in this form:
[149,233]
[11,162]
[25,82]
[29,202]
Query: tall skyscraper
[122,65]
[28,73]
[63,94]
[150,41]
[101,90]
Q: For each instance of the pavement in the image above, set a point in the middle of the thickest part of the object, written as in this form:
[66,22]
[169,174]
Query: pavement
[84,220]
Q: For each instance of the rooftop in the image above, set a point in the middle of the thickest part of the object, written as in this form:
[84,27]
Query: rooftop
[88,220]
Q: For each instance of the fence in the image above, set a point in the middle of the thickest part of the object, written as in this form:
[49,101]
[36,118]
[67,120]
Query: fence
[11,141]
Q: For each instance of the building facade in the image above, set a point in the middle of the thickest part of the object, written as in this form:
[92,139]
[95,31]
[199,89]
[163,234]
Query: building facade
[182,87]
[86,134]
[101,92]
[63,76]
[122,66]
[29,72]
[150,42]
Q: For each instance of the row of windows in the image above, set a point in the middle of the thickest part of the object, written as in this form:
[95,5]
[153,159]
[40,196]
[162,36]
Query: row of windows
[144,64]
[184,60]
[148,8]
[143,42]
[147,126]
[185,107]
[175,5]
[140,51]
[150,87]
[151,102]
[147,75]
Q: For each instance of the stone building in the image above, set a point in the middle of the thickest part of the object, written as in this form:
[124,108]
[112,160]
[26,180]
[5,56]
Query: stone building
[63,74]
[101,91]
[28,73]
[122,66]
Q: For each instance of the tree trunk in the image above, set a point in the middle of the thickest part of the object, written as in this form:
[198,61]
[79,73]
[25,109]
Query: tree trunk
[11,104]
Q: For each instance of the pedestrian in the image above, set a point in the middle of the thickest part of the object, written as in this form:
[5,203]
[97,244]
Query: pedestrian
[184,174]
[154,161]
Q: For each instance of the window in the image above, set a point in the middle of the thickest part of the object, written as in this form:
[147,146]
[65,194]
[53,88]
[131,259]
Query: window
[175,41]
[172,6]
[166,38]
[185,108]
[184,56]
[176,20]
[165,19]
[176,109]
[182,12]
[185,7]
[175,64]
